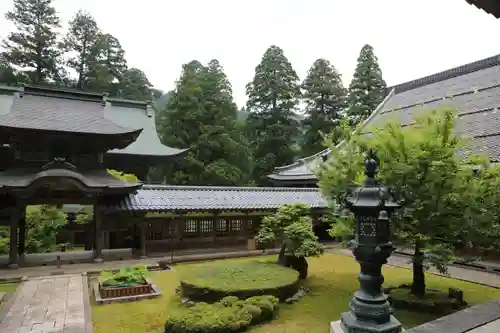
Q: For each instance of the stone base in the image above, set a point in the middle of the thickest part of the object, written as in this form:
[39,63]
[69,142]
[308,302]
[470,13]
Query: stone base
[394,326]
[98,260]
[335,327]
[13,266]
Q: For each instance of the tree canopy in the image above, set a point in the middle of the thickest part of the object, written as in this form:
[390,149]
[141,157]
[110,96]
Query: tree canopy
[443,196]
[367,88]
[33,46]
[201,115]
[325,98]
[273,96]
[292,227]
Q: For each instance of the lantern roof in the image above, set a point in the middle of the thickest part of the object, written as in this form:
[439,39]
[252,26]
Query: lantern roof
[371,194]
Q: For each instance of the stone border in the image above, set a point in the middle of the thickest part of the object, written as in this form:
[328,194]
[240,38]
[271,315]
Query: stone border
[462,321]
[89,328]
[99,300]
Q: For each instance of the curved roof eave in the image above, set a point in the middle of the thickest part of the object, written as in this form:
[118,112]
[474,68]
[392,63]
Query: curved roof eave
[327,151]
[139,115]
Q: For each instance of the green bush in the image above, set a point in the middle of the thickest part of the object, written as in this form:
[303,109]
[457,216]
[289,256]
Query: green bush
[229,315]
[127,276]
[214,281]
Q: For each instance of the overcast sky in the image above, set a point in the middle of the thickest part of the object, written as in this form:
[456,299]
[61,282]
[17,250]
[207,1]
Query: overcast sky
[412,38]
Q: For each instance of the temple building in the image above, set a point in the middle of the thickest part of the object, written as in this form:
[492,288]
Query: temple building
[473,89]
[56,145]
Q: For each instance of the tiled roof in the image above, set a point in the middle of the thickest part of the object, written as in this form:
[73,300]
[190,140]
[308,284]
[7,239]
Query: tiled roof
[92,179]
[68,110]
[138,115]
[155,198]
[43,110]
[473,89]
[489,6]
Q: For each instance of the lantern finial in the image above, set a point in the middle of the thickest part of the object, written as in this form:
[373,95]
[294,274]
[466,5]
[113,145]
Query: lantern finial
[371,165]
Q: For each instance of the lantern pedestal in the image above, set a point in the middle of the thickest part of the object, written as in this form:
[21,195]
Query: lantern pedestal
[336,327]
[370,311]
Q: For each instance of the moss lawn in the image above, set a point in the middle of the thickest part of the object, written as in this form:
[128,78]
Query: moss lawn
[331,277]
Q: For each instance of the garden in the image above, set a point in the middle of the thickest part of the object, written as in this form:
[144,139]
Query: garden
[447,202]
[331,282]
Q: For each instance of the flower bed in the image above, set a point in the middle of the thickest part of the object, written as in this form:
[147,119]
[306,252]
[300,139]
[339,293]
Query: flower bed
[127,284]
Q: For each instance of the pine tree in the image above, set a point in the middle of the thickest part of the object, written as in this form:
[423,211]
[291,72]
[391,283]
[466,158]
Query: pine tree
[273,96]
[80,40]
[106,65]
[33,47]
[325,98]
[367,89]
[201,116]
[8,75]
[134,84]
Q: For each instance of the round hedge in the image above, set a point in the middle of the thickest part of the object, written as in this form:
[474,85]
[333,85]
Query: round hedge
[210,283]
[227,316]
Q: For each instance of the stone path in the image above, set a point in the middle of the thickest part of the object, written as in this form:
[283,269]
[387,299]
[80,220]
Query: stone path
[52,304]
[482,277]
[493,327]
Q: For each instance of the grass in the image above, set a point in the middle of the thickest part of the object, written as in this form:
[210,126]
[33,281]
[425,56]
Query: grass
[8,287]
[331,277]
[228,276]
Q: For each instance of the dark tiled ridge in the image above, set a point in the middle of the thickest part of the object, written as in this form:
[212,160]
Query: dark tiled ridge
[67,93]
[58,92]
[447,74]
[226,188]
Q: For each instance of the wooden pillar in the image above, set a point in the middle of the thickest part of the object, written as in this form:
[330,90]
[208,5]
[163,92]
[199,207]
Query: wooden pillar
[97,221]
[244,226]
[215,223]
[13,245]
[179,229]
[142,230]
[22,235]
[89,235]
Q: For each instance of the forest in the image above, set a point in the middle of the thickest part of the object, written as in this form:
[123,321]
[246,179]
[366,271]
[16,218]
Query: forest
[284,118]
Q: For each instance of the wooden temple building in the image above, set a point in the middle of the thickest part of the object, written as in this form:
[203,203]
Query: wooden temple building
[473,89]
[56,145]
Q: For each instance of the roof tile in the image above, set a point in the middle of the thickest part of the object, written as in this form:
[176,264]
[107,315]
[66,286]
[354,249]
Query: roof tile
[59,114]
[151,198]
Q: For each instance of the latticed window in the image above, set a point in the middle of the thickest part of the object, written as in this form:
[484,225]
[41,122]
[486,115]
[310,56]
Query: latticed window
[190,226]
[222,225]
[236,225]
[205,226]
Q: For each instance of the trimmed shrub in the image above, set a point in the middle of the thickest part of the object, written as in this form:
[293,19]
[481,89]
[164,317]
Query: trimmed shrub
[211,283]
[227,316]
